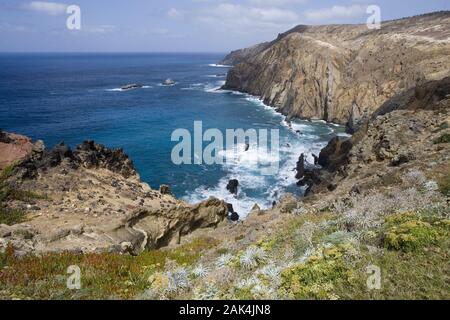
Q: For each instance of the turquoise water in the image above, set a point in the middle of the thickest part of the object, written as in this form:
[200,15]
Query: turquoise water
[72,97]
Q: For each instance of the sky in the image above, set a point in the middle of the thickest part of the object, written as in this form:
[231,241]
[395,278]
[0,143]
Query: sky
[178,25]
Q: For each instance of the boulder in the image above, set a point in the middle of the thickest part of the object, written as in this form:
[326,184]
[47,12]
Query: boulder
[165,189]
[335,154]
[233,215]
[132,86]
[233,186]
[300,167]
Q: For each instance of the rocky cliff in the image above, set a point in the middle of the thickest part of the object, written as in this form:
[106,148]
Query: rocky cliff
[88,200]
[343,73]
[381,201]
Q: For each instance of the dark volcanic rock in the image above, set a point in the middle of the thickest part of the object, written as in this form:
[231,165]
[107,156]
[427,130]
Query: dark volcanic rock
[335,154]
[54,157]
[233,186]
[164,189]
[89,154]
[132,86]
[93,155]
[233,215]
[300,167]
[4,137]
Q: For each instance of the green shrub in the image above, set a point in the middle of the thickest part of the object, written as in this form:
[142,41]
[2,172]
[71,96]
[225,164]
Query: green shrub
[317,277]
[6,172]
[409,232]
[445,138]
[11,216]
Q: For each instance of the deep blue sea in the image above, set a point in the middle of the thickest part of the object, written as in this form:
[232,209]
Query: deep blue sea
[73,97]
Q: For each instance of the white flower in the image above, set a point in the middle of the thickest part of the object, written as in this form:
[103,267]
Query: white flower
[178,280]
[252,257]
[224,260]
[200,271]
[271,272]
[248,283]
[208,292]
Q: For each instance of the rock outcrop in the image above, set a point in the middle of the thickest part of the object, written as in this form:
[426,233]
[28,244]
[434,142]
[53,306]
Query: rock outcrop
[15,147]
[343,73]
[92,200]
[233,186]
[403,131]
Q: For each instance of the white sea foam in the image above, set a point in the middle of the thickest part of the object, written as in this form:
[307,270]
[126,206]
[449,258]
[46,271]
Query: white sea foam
[344,135]
[167,85]
[214,65]
[125,90]
[214,87]
[216,76]
[115,90]
[245,165]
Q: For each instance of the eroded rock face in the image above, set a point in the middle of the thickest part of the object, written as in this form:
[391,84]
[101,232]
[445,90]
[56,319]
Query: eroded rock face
[344,73]
[335,153]
[13,148]
[88,155]
[401,133]
[95,202]
[93,155]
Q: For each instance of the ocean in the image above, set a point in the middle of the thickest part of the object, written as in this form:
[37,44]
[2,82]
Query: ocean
[74,97]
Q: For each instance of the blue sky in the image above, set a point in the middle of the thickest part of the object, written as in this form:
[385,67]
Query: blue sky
[175,25]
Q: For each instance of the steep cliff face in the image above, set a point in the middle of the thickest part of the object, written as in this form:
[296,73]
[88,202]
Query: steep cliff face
[343,73]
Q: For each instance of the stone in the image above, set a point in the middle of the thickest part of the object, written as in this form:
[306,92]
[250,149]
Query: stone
[234,217]
[233,186]
[335,154]
[165,189]
[300,167]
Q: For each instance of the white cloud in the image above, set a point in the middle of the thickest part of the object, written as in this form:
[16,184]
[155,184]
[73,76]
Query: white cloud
[275,2]
[174,13]
[229,17]
[102,29]
[50,8]
[5,26]
[327,15]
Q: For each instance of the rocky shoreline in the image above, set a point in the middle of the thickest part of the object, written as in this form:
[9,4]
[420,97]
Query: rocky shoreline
[90,199]
[343,74]
[380,198]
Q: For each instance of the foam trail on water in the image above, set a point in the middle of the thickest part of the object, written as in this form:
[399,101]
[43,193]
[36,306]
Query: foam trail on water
[214,65]
[297,137]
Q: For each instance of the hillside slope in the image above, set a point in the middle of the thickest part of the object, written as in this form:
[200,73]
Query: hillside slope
[343,73]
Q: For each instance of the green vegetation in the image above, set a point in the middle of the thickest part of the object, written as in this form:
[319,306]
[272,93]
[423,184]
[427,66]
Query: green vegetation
[445,138]
[11,216]
[413,257]
[103,275]
[409,232]
[6,172]
[317,277]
